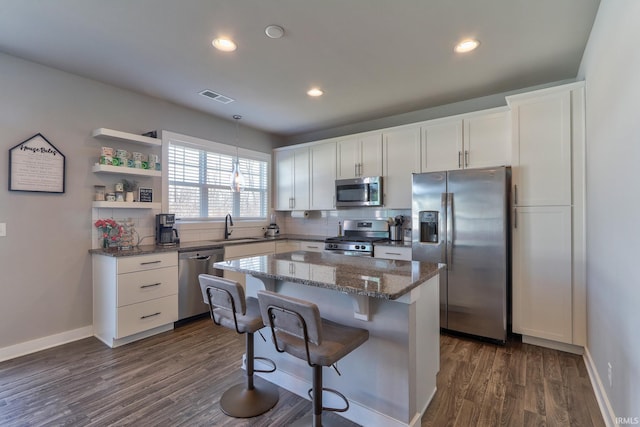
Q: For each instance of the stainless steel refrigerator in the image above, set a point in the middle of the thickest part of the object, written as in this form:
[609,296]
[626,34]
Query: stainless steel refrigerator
[461,218]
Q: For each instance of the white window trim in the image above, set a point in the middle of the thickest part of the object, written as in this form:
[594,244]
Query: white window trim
[200,144]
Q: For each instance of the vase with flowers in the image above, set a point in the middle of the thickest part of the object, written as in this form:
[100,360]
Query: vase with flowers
[111,231]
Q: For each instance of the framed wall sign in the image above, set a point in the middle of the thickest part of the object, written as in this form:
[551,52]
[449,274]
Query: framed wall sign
[145,194]
[36,165]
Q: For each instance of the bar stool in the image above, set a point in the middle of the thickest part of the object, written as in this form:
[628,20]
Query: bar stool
[229,308]
[298,329]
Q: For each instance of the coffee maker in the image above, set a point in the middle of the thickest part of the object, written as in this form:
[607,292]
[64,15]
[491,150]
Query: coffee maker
[166,235]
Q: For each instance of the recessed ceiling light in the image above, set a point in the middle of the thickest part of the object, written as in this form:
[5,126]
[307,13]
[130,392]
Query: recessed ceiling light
[315,92]
[467,45]
[224,44]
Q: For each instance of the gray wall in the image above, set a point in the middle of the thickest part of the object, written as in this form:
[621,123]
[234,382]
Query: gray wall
[45,270]
[611,67]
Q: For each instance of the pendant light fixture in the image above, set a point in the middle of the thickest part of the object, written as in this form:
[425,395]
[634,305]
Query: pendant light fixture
[236,180]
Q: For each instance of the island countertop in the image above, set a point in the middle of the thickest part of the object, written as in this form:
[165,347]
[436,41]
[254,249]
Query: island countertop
[373,277]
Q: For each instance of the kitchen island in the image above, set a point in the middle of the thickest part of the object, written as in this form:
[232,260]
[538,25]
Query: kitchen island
[391,378]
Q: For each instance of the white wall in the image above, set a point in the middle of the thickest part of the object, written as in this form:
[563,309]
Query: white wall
[611,68]
[45,269]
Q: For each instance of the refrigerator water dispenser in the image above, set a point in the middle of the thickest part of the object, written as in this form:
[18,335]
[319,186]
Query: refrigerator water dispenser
[428,226]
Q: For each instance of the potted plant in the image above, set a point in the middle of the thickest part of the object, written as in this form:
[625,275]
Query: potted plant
[129,187]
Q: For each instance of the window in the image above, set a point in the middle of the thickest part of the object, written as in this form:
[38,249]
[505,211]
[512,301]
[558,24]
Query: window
[198,187]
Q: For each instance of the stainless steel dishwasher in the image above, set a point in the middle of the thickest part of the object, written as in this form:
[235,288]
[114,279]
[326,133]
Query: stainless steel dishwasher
[191,264]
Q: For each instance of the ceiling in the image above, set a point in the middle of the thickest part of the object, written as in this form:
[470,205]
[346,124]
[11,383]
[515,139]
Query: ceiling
[373,58]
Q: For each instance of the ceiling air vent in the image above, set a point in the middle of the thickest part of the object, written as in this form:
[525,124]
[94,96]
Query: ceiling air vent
[216,96]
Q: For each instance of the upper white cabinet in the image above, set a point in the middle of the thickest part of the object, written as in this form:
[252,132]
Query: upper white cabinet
[487,139]
[292,179]
[473,141]
[401,158]
[359,156]
[441,145]
[542,149]
[323,175]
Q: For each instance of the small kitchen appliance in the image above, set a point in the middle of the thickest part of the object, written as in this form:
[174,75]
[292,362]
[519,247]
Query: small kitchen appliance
[358,237]
[272,230]
[359,192]
[166,235]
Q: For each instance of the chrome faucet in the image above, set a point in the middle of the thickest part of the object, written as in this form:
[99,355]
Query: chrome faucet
[227,232]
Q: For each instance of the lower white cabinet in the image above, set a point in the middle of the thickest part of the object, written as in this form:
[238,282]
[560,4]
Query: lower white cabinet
[134,296]
[392,252]
[542,273]
[287,246]
[311,246]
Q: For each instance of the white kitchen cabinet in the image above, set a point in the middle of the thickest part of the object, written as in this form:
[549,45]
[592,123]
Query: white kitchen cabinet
[487,139]
[134,296]
[542,149]
[311,246]
[549,285]
[392,252]
[359,156]
[287,246]
[475,140]
[292,179]
[246,250]
[401,158]
[542,280]
[441,145]
[323,176]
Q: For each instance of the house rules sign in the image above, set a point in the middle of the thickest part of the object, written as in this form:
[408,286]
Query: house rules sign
[36,165]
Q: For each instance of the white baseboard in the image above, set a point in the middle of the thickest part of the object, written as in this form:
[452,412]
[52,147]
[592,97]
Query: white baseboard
[555,345]
[44,343]
[598,388]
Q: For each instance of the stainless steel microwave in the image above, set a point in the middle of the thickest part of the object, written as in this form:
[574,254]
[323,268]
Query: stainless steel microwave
[365,191]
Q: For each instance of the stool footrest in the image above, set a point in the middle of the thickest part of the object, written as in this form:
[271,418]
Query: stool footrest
[337,393]
[268,361]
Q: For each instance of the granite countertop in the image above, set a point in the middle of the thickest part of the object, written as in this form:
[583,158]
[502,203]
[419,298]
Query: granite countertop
[374,277]
[200,245]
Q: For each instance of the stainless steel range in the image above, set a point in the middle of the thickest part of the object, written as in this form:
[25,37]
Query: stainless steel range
[359,237]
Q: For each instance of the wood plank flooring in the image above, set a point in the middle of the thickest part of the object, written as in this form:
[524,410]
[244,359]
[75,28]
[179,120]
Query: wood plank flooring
[176,379]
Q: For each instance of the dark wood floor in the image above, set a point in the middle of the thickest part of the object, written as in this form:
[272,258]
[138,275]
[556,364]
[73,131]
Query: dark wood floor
[176,379]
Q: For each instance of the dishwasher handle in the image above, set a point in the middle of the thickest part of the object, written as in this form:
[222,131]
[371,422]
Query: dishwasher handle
[200,257]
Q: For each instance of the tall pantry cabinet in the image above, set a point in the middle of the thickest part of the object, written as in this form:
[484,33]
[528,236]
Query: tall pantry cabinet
[549,295]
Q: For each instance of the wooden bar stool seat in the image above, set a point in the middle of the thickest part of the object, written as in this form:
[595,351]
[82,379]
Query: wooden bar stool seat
[298,330]
[229,308]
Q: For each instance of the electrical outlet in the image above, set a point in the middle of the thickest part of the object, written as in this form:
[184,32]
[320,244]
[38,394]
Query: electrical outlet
[3,229]
[610,373]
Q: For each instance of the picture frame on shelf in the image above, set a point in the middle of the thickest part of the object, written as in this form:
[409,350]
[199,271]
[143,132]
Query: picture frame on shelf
[145,195]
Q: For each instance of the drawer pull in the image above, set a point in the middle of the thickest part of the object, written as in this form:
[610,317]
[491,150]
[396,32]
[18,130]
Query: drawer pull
[151,285]
[150,315]
[150,262]
[393,253]
[312,247]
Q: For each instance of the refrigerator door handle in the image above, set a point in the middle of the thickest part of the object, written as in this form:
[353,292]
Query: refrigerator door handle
[443,228]
[449,230]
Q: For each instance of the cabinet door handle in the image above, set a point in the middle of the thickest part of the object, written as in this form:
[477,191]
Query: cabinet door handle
[151,285]
[515,217]
[355,169]
[466,158]
[150,315]
[515,194]
[459,159]
[150,262]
